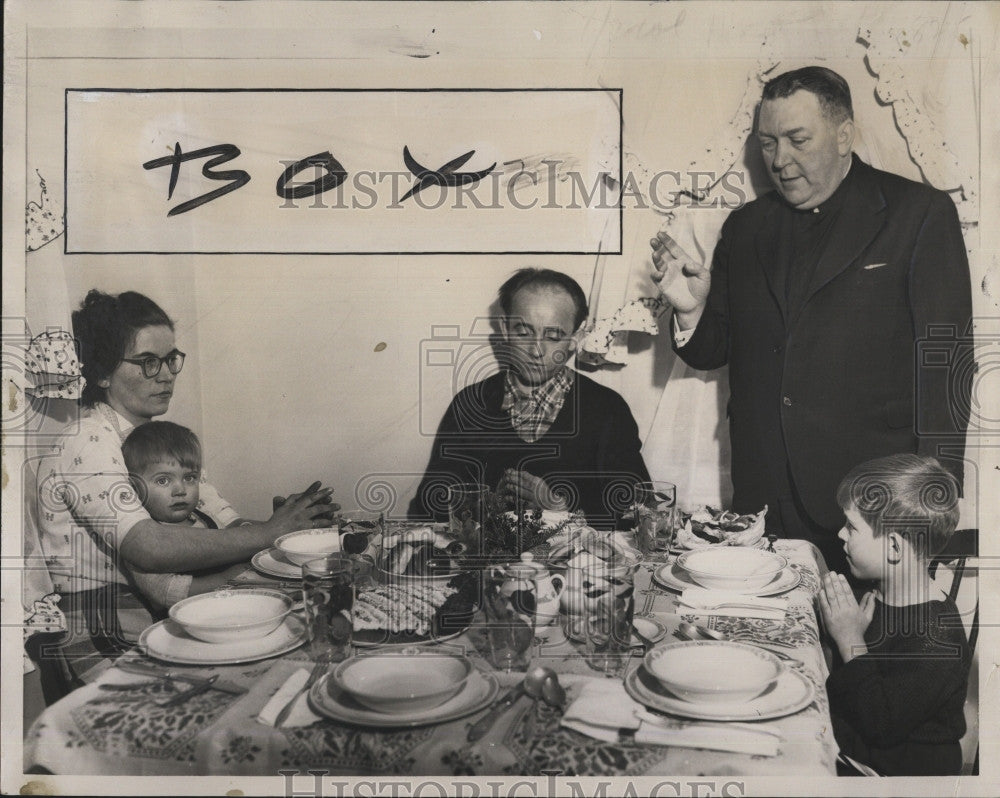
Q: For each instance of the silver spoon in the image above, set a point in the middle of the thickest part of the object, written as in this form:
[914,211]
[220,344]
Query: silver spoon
[693,632]
[553,692]
[541,682]
[533,685]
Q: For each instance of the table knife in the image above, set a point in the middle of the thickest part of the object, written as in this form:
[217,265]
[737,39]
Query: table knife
[184,695]
[148,669]
[317,670]
[482,726]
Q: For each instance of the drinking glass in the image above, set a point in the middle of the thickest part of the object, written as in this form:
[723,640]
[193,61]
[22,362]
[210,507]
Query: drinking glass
[466,508]
[656,518]
[508,634]
[328,596]
[608,610]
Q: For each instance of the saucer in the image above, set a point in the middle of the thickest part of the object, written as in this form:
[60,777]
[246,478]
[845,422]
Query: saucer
[167,641]
[673,577]
[327,699]
[651,629]
[791,693]
[273,563]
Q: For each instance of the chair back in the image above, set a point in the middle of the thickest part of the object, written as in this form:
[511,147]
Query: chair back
[955,572]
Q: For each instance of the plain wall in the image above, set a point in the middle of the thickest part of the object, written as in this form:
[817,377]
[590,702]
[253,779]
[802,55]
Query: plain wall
[287,379]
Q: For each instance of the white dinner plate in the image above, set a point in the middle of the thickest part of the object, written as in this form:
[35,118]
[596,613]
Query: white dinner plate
[673,577]
[327,699]
[273,563]
[167,641]
[791,693]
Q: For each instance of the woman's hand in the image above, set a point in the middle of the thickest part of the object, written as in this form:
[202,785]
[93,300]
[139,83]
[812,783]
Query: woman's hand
[520,487]
[845,619]
[312,508]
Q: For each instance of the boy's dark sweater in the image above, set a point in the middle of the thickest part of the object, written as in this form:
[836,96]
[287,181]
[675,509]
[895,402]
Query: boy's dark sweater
[899,708]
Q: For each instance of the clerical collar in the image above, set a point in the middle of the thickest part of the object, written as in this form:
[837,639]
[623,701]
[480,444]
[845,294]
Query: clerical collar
[836,200]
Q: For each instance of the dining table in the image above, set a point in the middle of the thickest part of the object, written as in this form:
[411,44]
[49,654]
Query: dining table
[118,724]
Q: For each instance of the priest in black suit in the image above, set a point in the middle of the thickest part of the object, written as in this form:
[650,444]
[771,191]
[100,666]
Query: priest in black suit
[839,302]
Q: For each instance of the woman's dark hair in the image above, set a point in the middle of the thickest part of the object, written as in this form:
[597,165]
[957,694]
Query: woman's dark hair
[105,327]
[831,90]
[543,278]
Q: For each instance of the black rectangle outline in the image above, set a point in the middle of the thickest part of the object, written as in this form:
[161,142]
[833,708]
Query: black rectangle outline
[598,251]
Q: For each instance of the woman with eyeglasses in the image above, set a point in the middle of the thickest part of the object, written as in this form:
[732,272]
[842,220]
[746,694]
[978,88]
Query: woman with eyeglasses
[89,515]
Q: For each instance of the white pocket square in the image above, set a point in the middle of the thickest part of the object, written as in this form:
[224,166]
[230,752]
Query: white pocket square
[875,266]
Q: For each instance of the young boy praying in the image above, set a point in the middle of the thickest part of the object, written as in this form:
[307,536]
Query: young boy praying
[164,464]
[897,698]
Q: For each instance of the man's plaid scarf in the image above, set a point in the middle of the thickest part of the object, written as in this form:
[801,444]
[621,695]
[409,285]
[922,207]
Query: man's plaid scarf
[531,415]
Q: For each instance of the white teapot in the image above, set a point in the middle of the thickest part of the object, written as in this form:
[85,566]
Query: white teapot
[533,591]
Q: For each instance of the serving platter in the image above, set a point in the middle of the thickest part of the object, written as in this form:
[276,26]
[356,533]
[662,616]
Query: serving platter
[379,638]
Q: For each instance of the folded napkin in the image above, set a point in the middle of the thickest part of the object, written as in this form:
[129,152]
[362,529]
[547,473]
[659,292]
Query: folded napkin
[301,714]
[603,709]
[714,602]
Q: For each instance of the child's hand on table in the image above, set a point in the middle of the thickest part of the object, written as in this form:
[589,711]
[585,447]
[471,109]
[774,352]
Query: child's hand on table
[844,618]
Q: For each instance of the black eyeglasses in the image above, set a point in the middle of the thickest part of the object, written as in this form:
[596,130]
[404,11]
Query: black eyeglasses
[152,364]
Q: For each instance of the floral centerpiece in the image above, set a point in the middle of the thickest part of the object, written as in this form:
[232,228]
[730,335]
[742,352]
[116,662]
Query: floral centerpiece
[507,534]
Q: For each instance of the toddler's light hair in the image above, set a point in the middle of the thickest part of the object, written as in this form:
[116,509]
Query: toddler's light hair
[158,442]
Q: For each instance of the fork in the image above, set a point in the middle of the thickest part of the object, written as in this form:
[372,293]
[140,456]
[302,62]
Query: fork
[733,604]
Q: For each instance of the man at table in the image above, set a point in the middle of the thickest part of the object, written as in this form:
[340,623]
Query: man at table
[818,296]
[542,434]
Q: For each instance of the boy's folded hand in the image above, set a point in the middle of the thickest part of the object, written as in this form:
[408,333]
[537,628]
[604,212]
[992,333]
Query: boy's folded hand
[845,620]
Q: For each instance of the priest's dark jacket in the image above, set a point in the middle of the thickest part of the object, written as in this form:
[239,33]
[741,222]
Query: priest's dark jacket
[867,356]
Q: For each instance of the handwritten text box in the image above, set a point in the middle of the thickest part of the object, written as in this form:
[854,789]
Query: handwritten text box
[343,171]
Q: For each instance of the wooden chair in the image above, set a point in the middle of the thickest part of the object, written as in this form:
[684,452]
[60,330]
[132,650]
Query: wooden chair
[958,578]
